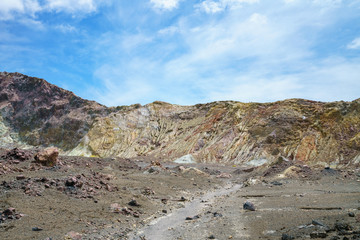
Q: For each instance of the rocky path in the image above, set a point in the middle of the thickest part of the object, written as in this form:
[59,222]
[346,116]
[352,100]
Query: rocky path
[165,227]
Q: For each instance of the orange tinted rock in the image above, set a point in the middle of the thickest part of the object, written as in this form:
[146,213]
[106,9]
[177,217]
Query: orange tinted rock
[47,157]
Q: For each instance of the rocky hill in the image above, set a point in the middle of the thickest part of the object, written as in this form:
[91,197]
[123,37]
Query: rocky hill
[36,113]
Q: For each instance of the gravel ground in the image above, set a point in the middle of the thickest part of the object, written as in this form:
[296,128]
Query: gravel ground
[91,198]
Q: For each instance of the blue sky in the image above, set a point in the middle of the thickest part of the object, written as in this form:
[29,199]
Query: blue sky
[121,52]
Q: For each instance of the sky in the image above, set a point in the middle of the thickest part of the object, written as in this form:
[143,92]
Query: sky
[122,52]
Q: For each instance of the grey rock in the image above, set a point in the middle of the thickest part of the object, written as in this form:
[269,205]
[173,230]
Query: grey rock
[318,235]
[134,203]
[249,206]
[276,183]
[287,237]
[318,223]
[37,229]
[342,226]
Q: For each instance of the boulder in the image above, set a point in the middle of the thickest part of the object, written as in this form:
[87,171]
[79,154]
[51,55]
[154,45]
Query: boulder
[47,157]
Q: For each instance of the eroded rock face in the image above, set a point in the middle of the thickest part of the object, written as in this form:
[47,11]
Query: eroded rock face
[313,132]
[34,112]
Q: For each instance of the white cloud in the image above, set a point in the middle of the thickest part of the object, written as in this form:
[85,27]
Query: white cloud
[125,83]
[32,23]
[72,6]
[66,28]
[168,31]
[263,52]
[328,80]
[165,4]
[355,44]
[213,6]
[10,8]
[258,51]
[130,42]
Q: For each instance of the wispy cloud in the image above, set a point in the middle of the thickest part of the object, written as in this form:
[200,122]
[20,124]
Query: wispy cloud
[66,28]
[255,52]
[11,8]
[165,4]
[214,6]
[71,6]
[168,30]
[355,44]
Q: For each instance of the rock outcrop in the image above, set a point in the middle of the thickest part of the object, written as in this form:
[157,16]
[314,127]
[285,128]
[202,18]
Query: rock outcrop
[37,113]
[34,112]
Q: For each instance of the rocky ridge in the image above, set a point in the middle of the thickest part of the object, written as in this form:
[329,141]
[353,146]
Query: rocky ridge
[37,113]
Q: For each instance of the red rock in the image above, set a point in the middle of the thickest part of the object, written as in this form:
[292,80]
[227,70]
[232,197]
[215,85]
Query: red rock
[108,187]
[9,211]
[71,182]
[79,184]
[17,154]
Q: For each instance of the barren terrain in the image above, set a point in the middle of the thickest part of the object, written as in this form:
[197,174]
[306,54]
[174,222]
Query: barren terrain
[113,198]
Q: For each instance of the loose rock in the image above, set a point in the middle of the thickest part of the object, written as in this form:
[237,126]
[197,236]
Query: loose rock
[342,226]
[249,206]
[134,203]
[9,214]
[276,183]
[224,175]
[17,154]
[37,229]
[73,236]
[318,235]
[286,237]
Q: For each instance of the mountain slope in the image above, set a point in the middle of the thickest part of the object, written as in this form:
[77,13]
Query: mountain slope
[233,132]
[39,113]
[229,132]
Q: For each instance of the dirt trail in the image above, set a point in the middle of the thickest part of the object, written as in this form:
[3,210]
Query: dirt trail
[159,228]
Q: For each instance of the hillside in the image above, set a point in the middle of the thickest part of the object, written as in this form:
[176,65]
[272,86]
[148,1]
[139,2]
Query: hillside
[37,113]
